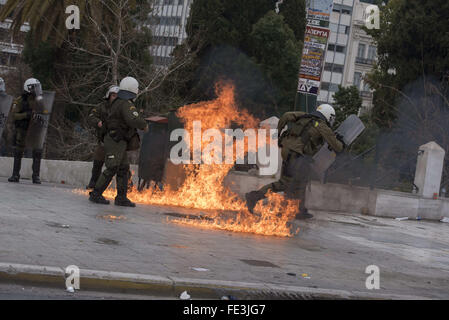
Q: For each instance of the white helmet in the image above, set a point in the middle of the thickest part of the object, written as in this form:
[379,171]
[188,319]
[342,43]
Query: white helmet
[112,89]
[29,84]
[129,88]
[328,112]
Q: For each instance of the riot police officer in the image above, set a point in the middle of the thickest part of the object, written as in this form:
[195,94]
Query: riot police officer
[22,111]
[121,125]
[97,119]
[303,136]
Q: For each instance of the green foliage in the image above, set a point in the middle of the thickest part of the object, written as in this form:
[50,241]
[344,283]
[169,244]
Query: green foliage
[294,14]
[263,50]
[347,102]
[278,53]
[413,40]
[40,58]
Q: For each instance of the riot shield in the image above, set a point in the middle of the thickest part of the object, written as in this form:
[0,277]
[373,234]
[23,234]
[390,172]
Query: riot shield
[5,106]
[37,131]
[153,152]
[350,129]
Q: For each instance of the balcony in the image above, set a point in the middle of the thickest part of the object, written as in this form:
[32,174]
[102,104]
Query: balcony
[366,94]
[365,61]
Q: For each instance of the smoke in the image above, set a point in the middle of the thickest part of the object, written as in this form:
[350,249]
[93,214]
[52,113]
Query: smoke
[253,90]
[422,116]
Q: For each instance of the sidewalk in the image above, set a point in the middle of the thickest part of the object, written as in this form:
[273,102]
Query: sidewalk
[52,226]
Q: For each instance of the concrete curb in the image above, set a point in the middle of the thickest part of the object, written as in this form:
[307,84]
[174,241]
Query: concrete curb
[174,286]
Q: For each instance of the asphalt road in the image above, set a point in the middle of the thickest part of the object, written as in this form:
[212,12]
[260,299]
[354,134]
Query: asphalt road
[19,292]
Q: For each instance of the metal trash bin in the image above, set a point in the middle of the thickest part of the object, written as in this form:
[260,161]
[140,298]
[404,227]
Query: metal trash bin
[153,152]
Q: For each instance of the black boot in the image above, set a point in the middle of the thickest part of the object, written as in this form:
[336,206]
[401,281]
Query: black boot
[252,198]
[37,156]
[122,190]
[96,172]
[17,165]
[303,215]
[97,198]
[103,182]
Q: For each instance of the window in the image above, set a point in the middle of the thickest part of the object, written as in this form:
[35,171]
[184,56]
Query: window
[165,41]
[331,47]
[372,52]
[333,67]
[333,87]
[343,29]
[340,49]
[357,79]
[4,59]
[162,61]
[333,27]
[5,35]
[366,87]
[170,21]
[361,51]
[325,86]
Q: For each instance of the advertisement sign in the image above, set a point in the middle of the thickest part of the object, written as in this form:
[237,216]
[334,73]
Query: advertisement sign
[319,12]
[313,59]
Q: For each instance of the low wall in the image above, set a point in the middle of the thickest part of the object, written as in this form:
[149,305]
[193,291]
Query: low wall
[325,197]
[74,173]
[381,203]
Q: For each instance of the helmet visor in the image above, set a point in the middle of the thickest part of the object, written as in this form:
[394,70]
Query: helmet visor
[35,89]
[126,95]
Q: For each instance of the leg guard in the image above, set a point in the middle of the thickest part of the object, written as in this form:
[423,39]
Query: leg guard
[122,188]
[252,198]
[96,172]
[37,156]
[18,154]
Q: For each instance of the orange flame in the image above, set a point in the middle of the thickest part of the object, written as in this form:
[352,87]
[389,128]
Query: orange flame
[203,186]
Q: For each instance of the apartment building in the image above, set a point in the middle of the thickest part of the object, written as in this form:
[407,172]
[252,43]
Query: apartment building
[351,52]
[10,47]
[168,22]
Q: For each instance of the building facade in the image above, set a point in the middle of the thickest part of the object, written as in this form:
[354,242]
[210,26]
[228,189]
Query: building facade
[10,47]
[168,22]
[351,52]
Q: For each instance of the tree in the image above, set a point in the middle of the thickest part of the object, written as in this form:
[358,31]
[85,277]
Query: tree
[413,41]
[47,17]
[294,14]
[265,79]
[113,42]
[278,53]
[347,102]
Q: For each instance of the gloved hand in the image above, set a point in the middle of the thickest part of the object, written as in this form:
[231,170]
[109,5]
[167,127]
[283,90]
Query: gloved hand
[341,139]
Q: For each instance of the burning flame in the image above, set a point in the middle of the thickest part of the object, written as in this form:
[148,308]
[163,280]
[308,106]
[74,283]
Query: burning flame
[203,186]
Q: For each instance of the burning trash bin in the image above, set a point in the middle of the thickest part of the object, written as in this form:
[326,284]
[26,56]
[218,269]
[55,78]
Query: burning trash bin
[153,152]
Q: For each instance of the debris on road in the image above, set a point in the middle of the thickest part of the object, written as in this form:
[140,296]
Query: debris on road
[401,219]
[185,296]
[445,220]
[71,290]
[200,269]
